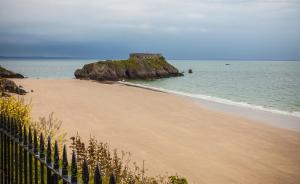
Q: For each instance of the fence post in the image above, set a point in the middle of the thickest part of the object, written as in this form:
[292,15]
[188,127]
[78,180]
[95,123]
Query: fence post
[112,179]
[85,172]
[8,149]
[48,160]
[16,151]
[1,146]
[36,153]
[3,150]
[42,157]
[25,156]
[97,175]
[20,153]
[30,146]
[65,164]
[74,169]
[12,149]
[56,163]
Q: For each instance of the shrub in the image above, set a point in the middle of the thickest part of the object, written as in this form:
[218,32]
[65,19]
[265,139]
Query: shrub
[177,180]
[50,127]
[16,107]
[117,162]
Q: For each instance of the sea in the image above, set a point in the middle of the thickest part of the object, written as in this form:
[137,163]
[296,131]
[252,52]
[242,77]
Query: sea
[266,85]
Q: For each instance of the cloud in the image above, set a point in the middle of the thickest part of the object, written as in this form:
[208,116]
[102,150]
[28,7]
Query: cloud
[115,22]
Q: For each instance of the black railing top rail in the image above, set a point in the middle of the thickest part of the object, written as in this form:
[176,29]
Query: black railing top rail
[16,132]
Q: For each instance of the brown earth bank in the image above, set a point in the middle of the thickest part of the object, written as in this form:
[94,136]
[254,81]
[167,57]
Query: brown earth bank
[171,133]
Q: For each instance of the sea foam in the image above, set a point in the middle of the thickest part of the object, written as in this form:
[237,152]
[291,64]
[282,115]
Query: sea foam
[215,99]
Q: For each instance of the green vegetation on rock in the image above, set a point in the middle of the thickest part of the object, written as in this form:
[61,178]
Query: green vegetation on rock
[132,68]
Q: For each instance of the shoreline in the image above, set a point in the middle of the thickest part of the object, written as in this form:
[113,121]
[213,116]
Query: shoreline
[274,117]
[171,133]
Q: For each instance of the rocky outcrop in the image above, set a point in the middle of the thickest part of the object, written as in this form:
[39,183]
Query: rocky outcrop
[11,87]
[133,68]
[4,73]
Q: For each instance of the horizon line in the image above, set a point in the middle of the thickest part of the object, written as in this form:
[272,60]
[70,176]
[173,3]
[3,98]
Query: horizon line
[98,58]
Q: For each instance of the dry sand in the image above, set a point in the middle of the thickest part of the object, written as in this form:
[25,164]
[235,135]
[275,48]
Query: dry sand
[171,133]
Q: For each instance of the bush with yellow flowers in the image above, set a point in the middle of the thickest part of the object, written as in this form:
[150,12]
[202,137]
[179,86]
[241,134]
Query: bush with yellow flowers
[16,107]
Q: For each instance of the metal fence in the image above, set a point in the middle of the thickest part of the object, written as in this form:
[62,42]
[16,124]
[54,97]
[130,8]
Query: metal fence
[24,160]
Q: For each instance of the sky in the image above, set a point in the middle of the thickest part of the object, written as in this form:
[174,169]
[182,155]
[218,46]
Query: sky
[179,29]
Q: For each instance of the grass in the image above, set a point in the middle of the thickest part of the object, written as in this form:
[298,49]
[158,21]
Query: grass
[134,63]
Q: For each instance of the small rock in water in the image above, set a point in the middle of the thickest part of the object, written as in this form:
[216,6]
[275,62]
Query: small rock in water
[190,71]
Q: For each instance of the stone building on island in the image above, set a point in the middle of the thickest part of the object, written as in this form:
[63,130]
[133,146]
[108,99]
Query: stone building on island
[144,55]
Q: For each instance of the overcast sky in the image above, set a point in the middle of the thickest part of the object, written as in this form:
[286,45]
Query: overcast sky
[180,29]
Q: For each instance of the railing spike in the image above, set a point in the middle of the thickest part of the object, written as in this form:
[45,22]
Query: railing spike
[5,123]
[48,160]
[12,130]
[65,163]
[42,148]
[42,157]
[56,157]
[112,179]
[97,175]
[30,146]
[16,132]
[55,164]
[25,155]
[1,120]
[74,168]
[25,135]
[20,132]
[49,151]
[85,172]
[8,124]
[35,142]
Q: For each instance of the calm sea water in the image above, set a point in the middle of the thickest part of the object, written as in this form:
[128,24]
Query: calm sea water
[273,85]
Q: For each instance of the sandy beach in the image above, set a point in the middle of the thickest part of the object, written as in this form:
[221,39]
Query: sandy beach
[171,133]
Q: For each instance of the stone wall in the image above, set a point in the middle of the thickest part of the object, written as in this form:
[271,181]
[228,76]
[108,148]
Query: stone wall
[144,55]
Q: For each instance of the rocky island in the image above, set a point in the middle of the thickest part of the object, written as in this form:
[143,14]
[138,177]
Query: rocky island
[137,66]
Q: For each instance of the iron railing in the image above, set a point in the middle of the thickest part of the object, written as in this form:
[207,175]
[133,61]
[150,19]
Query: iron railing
[25,161]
